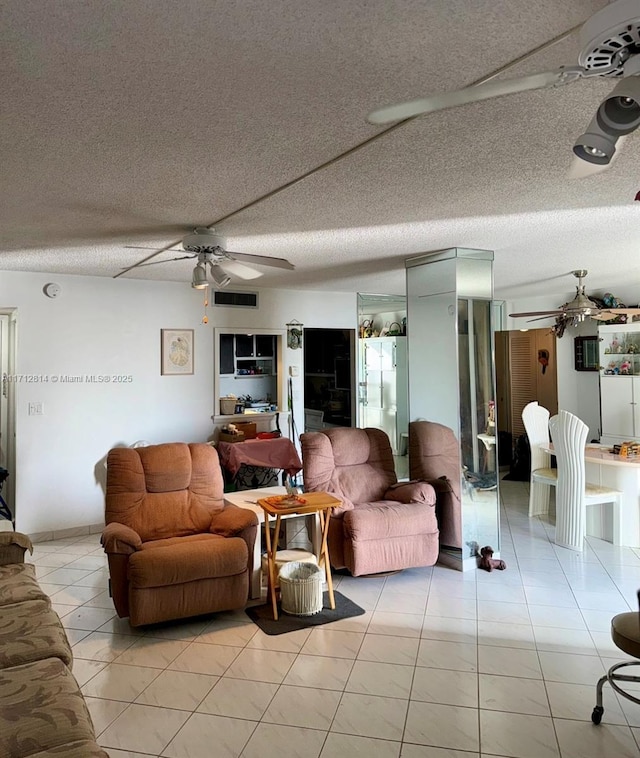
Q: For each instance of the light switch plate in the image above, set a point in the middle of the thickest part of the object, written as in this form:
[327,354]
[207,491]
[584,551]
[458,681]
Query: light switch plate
[36,409]
[294,371]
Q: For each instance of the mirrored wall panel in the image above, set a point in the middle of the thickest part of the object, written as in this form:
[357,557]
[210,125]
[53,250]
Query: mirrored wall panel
[452,380]
[382,398]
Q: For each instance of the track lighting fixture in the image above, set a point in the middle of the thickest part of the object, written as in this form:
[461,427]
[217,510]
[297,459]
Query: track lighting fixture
[617,116]
[219,276]
[199,278]
[595,145]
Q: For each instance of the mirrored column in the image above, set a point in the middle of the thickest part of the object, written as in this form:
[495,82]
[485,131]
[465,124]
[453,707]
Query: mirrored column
[452,379]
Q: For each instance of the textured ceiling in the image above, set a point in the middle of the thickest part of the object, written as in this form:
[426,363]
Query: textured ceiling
[128,123]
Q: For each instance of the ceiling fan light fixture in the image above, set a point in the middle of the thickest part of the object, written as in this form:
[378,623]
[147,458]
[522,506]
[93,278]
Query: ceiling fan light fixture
[219,275]
[619,114]
[199,277]
[595,145]
[202,240]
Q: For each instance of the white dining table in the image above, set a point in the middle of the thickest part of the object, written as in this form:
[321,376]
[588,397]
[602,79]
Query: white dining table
[606,469]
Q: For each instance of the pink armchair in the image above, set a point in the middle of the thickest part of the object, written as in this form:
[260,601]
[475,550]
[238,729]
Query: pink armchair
[382,525]
[434,456]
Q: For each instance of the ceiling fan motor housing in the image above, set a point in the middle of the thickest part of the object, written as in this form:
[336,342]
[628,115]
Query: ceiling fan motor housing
[610,37]
[203,241]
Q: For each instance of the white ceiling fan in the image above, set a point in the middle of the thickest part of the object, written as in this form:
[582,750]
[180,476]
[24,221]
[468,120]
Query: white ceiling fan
[209,249]
[578,309]
[609,47]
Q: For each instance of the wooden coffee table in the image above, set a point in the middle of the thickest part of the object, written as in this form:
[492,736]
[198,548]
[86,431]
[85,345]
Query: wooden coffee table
[319,503]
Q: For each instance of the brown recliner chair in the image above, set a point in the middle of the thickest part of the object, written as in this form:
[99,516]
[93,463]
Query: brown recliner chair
[175,550]
[382,525]
[434,455]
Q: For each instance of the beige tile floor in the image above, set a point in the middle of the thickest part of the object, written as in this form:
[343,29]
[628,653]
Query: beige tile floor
[442,664]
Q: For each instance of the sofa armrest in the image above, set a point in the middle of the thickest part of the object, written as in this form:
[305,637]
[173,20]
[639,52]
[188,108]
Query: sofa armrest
[118,538]
[231,521]
[416,491]
[442,485]
[13,546]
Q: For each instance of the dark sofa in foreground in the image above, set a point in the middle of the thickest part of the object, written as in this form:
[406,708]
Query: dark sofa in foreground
[42,711]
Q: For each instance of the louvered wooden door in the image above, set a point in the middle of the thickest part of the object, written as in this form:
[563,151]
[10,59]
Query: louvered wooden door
[522,376]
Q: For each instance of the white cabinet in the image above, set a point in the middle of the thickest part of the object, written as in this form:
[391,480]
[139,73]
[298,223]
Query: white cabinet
[383,387]
[247,354]
[619,382]
[619,400]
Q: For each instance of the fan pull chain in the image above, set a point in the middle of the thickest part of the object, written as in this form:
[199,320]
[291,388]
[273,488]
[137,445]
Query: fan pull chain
[205,318]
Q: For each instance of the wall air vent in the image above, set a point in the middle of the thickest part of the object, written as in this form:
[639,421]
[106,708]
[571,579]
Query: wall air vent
[235,299]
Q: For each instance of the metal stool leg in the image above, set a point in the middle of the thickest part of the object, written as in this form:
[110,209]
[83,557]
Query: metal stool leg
[612,677]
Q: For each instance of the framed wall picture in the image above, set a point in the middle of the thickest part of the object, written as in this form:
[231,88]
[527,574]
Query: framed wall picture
[176,351]
[586,353]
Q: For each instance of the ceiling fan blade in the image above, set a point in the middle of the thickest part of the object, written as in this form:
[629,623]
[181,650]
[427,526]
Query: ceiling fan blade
[542,314]
[467,95]
[166,260]
[540,318]
[263,260]
[138,247]
[610,314]
[239,269]
[603,316]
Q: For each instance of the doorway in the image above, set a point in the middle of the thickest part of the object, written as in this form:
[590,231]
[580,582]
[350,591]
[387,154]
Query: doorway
[526,371]
[329,378]
[7,420]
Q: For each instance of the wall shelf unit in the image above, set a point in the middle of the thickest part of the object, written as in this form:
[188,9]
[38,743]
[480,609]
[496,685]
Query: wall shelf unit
[254,356]
[619,382]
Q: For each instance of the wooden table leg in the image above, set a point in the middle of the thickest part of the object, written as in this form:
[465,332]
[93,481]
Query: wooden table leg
[324,555]
[271,574]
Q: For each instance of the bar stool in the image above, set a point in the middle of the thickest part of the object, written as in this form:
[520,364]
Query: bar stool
[625,633]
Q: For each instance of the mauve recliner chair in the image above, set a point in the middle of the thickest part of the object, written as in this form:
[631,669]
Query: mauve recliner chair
[434,455]
[175,550]
[382,525]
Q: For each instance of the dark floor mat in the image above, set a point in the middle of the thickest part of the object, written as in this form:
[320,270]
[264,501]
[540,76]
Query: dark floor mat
[262,615]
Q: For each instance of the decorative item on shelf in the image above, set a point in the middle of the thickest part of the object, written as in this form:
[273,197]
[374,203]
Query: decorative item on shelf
[294,334]
[395,329]
[491,419]
[228,405]
[366,329]
[611,369]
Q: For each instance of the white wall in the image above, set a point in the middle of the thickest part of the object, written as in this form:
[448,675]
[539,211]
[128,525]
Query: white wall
[102,326]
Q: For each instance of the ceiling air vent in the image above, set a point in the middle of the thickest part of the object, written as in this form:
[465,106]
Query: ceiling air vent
[235,299]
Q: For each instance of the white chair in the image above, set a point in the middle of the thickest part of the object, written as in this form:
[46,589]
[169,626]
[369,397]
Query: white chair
[536,423]
[574,493]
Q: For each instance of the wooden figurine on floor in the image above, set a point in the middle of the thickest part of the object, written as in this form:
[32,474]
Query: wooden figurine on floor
[488,563]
